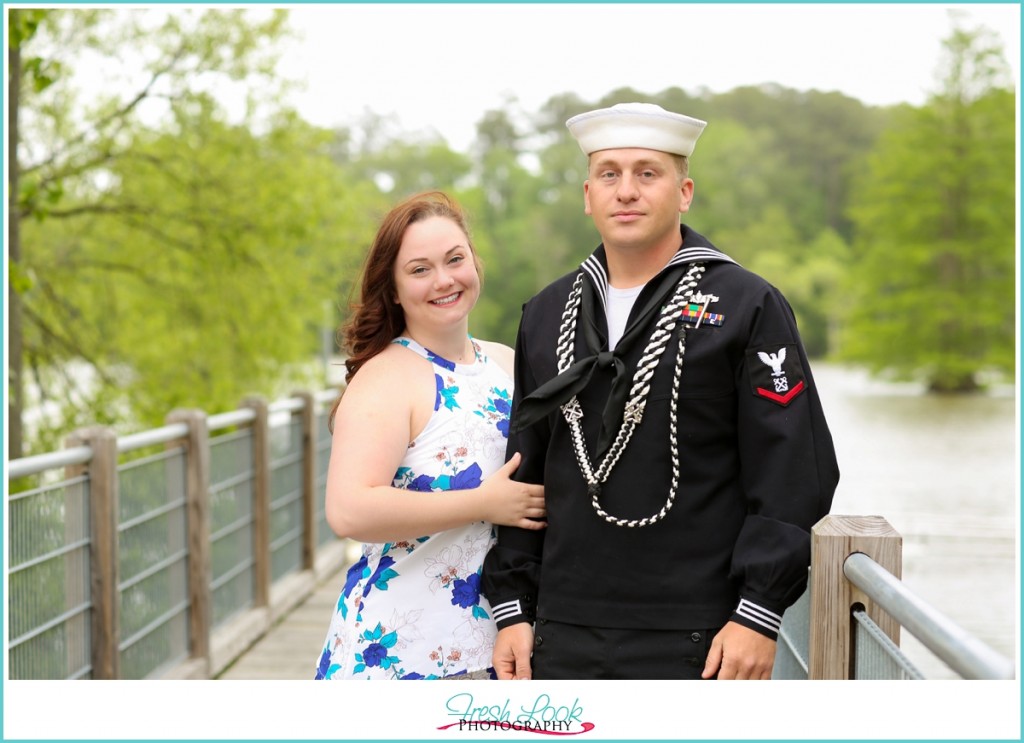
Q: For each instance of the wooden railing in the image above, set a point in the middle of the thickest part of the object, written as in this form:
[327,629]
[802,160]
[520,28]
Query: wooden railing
[848,623]
[167,553]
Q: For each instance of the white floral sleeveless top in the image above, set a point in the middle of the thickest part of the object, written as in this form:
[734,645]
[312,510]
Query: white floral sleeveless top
[413,609]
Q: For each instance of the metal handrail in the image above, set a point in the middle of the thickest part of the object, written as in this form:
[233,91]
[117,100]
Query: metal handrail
[51,460]
[291,405]
[234,418]
[953,645]
[33,465]
[161,435]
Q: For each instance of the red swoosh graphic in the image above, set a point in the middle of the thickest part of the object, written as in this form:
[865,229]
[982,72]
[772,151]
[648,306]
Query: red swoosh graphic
[782,399]
[520,728]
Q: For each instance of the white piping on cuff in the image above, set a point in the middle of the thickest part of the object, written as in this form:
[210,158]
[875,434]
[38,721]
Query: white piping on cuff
[759,615]
[506,610]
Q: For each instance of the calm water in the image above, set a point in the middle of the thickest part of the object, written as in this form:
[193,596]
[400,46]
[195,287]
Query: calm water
[943,472]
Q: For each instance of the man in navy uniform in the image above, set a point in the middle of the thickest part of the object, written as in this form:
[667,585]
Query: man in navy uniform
[665,401]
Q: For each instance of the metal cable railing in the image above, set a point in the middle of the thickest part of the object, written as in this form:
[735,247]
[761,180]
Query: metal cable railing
[954,646]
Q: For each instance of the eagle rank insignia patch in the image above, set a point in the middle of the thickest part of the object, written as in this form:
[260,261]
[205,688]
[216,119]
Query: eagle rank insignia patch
[776,373]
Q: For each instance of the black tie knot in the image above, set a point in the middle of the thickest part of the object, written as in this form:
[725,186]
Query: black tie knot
[605,360]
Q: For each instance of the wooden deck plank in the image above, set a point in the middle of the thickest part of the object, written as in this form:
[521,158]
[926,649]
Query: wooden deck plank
[290,650]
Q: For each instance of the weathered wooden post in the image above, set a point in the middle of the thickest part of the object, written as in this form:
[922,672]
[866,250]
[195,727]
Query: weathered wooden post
[262,572]
[833,597]
[103,546]
[197,505]
[309,539]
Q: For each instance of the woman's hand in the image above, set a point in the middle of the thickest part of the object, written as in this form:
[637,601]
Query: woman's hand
[511,503]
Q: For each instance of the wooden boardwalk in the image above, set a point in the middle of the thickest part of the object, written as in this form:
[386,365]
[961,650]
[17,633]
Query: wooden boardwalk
[289,651]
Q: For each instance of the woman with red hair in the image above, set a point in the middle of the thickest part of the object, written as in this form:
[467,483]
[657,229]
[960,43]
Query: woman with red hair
[417,469]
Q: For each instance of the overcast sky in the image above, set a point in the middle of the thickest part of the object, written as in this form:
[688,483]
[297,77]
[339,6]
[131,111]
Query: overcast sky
[442,66]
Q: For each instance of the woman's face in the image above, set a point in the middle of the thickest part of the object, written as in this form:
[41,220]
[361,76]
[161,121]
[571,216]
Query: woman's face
[436,280]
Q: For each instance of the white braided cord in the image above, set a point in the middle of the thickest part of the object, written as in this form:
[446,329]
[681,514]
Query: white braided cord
[637,402]
[567,332]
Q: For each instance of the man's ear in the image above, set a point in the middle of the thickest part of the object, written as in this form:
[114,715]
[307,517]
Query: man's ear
[685,195]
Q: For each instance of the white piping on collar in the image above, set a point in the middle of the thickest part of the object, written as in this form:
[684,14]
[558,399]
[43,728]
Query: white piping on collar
[598,273]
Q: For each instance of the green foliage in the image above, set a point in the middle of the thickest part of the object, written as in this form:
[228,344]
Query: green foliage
[736,183]
[504,208]
[22,25]
[220,244]
[933,282]
[405,168]
[187,262]
[816,137]
[38,73]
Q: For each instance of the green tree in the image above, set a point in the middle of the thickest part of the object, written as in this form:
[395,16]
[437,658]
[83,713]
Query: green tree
[735,171]
[815,136]
[402,167]
[182,262]
[34,74]
[932,288]
[507,225]
[565,235]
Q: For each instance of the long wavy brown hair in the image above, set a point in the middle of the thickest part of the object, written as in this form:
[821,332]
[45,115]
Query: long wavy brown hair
[376,319]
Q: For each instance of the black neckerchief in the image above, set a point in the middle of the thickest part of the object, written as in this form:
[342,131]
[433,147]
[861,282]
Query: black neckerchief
[557,391]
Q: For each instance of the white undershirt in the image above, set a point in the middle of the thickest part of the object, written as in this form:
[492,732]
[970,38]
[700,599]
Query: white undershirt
[620,302]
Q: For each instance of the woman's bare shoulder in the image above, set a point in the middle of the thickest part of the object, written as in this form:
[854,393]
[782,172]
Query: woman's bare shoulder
[392,372]
[500,353]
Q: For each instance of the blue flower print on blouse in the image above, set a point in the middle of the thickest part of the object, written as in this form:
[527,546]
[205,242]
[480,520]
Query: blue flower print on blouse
[448,395]
[502,404]
[376,653]
[440,360]
[381,576]
[503,427]
[355,573]
[468,478]
[406,478]
[422,484]
[466,593]
[325,669]
[440,386]
[497,409]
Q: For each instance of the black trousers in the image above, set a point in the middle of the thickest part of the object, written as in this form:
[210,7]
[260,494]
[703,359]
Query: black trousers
[570,651]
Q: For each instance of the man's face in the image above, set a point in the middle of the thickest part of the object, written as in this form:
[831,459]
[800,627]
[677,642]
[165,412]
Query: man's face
[635,197]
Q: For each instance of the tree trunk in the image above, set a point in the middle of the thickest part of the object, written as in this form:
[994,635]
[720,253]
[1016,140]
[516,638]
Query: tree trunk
[15,360]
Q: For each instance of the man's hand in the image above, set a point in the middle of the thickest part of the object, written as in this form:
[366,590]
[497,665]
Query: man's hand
[740,653]
[512,650]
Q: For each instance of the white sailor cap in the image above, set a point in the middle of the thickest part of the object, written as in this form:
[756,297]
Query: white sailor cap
[643,125]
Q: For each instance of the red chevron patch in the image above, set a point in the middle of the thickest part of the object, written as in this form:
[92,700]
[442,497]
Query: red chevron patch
[782,399]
